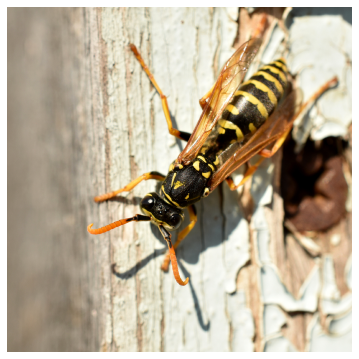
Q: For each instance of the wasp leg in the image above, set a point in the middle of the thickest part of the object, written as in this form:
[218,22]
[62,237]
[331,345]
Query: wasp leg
[203,101]
[279,142]
[182,235]
[277,145]
[173,131]
[147,176]
[265,153]
[246,177]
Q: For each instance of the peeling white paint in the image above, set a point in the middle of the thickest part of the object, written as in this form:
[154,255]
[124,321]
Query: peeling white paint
[318,56]
[273,320]
[274,291]
[261,188]
[330,290]
[321,342]
[348,272]
[279,344]
[340,325]
[274,48]
[241,322]
[331,302]
[236,234]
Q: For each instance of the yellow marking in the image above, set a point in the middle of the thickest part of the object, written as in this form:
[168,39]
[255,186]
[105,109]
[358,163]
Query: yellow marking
[231,126]
[204,149]
[171,167]
[282,66]
[253,100]
[178,184]
[207,174]
[211,166]
[221,131]
[167,201]
[187,196]
[232,109]
[154,219]
[202,158]
[252,128]
[261,86]
[169,198]
[275,71]
[180,166]
[216,162]
[271,78]
[173,178]
[196,165]
[232,141]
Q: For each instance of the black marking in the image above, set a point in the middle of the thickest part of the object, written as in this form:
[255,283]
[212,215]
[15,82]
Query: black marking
[260,95]
[155,173]
[184,136]
[277,76]
[281,61]
[269,84]
[248,113]
[166,235]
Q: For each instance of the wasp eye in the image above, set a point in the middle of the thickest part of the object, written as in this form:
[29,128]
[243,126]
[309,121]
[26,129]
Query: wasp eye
[175,220]
[147,202]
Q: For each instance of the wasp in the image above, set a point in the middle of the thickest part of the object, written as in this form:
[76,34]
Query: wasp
[239,120]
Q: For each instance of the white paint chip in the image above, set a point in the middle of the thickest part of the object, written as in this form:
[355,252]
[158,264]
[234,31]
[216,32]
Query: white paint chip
[273,320]
[321,342]
[340,325]
[279,344]
[318,56]
[331,302]
[241,322]
[274,291]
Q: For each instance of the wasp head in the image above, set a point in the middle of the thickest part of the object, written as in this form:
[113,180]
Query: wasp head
[161,212]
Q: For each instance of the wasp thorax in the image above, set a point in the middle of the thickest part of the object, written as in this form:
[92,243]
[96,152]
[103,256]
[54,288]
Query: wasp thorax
[161,212]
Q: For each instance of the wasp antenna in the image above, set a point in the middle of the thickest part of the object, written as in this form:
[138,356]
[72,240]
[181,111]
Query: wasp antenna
[176,274]
[121,222]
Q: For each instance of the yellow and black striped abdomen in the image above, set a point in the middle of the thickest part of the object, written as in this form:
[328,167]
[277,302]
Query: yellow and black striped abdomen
[254,101]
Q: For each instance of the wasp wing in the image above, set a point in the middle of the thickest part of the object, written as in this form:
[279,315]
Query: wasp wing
[276,125]
[224,89]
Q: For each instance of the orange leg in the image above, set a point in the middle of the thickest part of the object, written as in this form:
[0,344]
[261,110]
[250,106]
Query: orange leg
[247,175]
[181,236]
[203,101]
[167,236]
[121,222]
[265,153]
[277,145]
[252,168]
[150,175]
[173,131]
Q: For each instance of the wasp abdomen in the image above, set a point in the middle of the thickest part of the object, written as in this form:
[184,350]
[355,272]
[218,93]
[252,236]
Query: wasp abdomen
[253,103]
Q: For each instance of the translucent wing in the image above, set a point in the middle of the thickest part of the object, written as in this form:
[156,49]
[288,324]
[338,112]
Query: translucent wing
[224,89]
[276,125]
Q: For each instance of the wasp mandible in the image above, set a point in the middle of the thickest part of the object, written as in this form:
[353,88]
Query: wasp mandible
[239,120]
